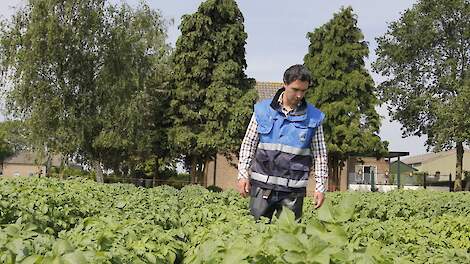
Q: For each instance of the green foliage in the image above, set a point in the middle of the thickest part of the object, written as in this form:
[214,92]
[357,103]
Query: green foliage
[425,56]
[6,148]
[212,99]
[67,172]
[78,221]
[214,188]
[14,137]
[88,78]
[343,89]
[318,241]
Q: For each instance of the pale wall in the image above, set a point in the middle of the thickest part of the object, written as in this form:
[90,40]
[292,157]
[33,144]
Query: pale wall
[445,165]
[22,169]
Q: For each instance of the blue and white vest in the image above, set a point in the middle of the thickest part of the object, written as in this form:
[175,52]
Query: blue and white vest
[284,157]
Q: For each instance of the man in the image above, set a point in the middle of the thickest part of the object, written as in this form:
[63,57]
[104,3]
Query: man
[282,142]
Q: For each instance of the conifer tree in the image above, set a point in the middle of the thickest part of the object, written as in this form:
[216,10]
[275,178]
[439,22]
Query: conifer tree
[343,89]
[212,98]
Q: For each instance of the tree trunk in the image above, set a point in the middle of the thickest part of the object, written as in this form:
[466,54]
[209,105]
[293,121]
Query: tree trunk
[333,181]
[48,164]
[204,173]
[99,172]
[156,172]
[330,173]
[458,168]
[193,170]
[199,171]
[340,172]
[336,175]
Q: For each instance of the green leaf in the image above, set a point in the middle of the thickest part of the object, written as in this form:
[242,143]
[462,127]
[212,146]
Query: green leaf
[30,227]
[151,258]
[324,256]
[18,247]
[11,230]
[61,247]
[208,248]
[120,204]
[286,219]
[326,212]
[234,255]
[315,227]
[294,257]
[346,208]
[336,236]
[288,241]
[34,259]
[171,257]
[75,257]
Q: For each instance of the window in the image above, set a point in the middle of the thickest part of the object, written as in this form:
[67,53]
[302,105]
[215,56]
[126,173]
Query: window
[363,173]
[369,172]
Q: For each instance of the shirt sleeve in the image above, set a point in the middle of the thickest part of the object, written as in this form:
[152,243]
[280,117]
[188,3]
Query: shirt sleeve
[320,160]
[248,149]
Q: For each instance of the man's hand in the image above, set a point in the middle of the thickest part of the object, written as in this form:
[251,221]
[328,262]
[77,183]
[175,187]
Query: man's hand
[243,186]
[319,198]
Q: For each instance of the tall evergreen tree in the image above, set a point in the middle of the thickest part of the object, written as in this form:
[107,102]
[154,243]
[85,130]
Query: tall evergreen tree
[213,98]
[343,89]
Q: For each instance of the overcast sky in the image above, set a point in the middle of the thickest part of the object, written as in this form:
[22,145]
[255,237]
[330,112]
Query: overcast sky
[277,38]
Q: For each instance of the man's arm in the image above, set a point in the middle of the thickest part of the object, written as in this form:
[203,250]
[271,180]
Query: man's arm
[320,159]
[248,149]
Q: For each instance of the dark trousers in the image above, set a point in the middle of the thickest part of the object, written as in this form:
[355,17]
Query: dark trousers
[265,202]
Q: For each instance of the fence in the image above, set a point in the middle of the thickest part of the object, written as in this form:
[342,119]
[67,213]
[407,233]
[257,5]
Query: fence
[408,181]
[369,178]
[147,182]
[439,182]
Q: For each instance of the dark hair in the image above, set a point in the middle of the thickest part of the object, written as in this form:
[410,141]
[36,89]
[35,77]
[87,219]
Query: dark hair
[297,72]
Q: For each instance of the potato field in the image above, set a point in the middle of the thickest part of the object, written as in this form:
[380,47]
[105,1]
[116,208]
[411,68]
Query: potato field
[79,221]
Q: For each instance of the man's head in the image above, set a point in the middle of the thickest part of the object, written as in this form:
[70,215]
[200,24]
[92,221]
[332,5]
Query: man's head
[296,81]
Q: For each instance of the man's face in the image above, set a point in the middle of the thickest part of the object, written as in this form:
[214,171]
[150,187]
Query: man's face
[295,92]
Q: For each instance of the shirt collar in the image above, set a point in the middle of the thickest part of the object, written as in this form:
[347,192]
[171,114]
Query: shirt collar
[276,103]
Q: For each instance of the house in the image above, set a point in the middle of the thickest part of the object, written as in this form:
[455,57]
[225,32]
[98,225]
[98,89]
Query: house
[405,169]
[363,172]
[27,163]
[359,170]
[439,164]
[408,173]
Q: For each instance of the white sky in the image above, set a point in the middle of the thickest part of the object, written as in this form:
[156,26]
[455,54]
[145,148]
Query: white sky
[277,38]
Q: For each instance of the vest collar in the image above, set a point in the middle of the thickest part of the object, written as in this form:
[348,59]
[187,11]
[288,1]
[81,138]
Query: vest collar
[298,114]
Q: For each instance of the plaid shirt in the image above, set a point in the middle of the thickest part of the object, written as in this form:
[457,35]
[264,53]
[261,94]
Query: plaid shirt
[318,147]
